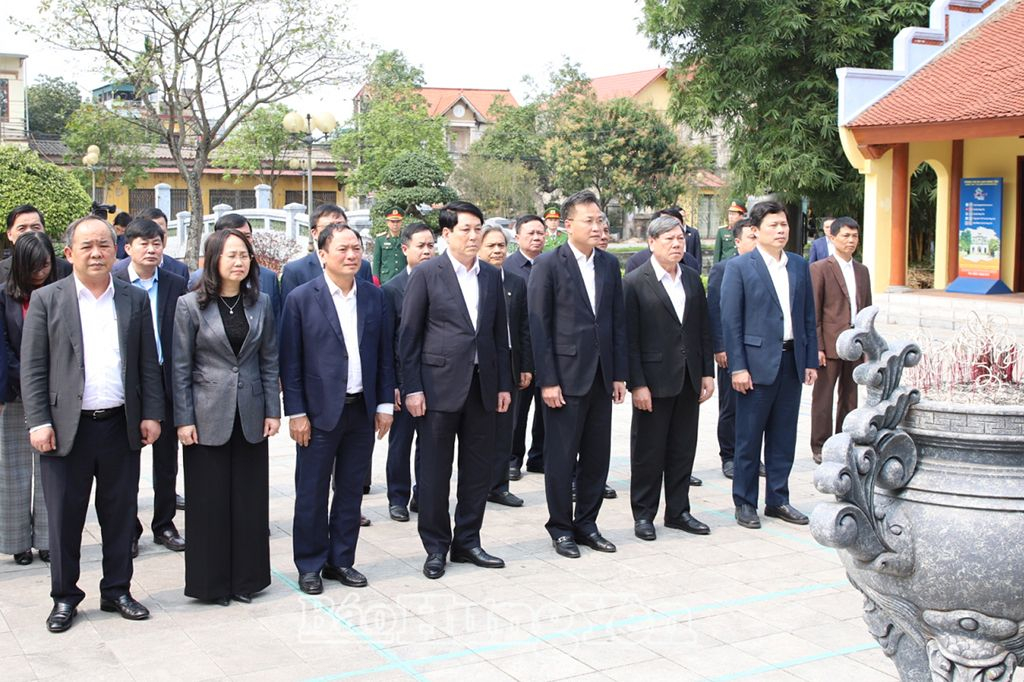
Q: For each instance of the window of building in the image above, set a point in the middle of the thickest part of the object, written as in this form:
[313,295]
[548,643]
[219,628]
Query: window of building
[707,220]
[294,196]
[5,100]
[235,198]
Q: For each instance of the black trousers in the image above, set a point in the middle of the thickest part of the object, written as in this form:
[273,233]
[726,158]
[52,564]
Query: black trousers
[100,451]
[319,537]
[535,458]
[228,489]
[726,415]
[474,427]
[664,445]
[583,425]
[504,431]
[403,428]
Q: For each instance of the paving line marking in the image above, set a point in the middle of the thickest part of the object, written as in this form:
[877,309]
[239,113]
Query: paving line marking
[396,661]
[589,629]
[793,662]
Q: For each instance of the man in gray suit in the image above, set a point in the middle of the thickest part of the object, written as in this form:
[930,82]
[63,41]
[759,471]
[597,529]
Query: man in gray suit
[93,395]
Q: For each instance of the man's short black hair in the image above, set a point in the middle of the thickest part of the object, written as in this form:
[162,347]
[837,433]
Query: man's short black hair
[142,228]
[525,219]
[152,214]
[578,199]
[326,209]
[22,210]
[449,215]
[739,226]
[232,221]
[413,229]
[764,208]
[839,223]
[326,235]
[123,219]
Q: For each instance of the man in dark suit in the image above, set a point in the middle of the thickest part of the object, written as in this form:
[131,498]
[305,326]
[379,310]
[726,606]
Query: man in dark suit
[578,332]
[455,376]
[168,263]
[144,245]
[842,287]
[268,278]
[769,330]
[339,383]
[692,255]
[744,241]
[417,247]
[494,250]
[530,233]
[670,374]
[22,219]
[310,267]
[91,386]
[822,248]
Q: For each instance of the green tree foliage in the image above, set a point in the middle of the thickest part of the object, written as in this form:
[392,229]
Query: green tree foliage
[258,146]
[408,181]
[51,102]
[121,140]
[27,179]
[965,241]
[498,186]
[766,69]
[517,136]
[393,120]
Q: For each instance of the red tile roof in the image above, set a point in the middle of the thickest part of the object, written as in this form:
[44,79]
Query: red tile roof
[624,84]
[440,100]
[980,77]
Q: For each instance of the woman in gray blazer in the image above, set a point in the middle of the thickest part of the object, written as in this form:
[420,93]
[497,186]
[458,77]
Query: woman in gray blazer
[226,405]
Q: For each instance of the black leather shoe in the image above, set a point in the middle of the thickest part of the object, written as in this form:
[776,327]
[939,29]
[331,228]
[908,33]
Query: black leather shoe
[746,516]
[566,546]
[596,542]
[695,482]
[644,530]
[366,490]
[310,583]
[506,498]
[23,558]
[398,513]
[62,615]
[346,576]
[433,567]
[686,522]
[816,456]
[514,473]
[609,493]
[727,468]
[44,554]
[476,556]
[787,513]
[760,471]
[534,469]
[179,502]
[244,598]
[135,548]
[170,539]
[363,521]
[127,606]
[221,601]
[414,505]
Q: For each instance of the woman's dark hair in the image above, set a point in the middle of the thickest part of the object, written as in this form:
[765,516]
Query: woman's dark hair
[208,287]
[31,253]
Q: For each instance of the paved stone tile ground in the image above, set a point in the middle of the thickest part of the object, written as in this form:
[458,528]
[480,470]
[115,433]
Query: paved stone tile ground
[739,604]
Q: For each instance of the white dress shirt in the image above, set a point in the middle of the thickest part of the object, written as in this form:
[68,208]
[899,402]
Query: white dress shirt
[780,280]
[673,286]
[846,267]
[831,247]
[470,286]
[101,348]
[348,318]
[586,264]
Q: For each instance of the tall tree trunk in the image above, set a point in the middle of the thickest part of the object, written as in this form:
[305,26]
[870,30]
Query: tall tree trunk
[195,230]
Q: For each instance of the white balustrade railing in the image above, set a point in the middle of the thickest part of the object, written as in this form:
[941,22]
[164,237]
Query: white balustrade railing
[290,220]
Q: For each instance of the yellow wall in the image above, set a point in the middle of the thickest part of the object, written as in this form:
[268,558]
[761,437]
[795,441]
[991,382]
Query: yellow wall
[657,94]
[938,155]
[10,68]
[996,157]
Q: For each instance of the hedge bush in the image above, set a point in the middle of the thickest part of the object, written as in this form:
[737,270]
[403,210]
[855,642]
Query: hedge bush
[27,179]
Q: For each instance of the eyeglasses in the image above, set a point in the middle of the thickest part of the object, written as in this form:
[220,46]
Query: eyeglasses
[241,256]
[333,225]
[589,223]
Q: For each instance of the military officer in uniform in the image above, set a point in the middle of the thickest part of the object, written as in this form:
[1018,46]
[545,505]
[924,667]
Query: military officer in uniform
[554,235]
[388,259]
[725,243]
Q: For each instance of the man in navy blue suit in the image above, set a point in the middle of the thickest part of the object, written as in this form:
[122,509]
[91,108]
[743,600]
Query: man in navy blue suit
[821,248]
[772,345]
[578,333]
[168,263]
[338,378]
[456,374]
[310,267]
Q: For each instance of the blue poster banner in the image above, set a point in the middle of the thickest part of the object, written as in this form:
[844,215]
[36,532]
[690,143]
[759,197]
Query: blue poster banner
[980,242]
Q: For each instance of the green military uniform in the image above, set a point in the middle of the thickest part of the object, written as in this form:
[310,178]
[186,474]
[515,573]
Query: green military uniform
[388,259]
[553,241]
[725,243]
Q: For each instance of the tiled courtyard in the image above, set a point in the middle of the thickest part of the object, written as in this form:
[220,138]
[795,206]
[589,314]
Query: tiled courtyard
[738,604]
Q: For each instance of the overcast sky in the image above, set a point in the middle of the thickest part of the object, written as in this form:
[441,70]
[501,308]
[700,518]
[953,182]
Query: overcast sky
[458,44]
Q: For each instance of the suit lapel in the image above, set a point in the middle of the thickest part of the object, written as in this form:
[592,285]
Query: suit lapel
[323,299]
[362,310]
[254,313]
[861,282]
[570,264]
[451,282]
[123,309]
[762,270]
[314,266]
[837,273]
[659,289]
[792,276]
[73,317]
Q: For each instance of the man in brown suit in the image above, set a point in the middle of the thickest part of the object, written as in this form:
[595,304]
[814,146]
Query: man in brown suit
[834,279]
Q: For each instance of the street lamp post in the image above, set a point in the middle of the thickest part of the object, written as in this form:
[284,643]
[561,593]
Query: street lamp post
[90,160]
[296,123]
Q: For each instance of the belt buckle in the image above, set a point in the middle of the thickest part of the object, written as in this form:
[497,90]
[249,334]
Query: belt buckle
[97,415]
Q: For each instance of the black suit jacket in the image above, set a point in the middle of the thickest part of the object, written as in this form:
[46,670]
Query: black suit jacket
[641,257]
[568,339]
[11,323]
[693,246]
[394,290]
[169,264]
[518,264]
[518,325]
[62,267]
[437,341]
[715,292]
[170,288]
[664,352]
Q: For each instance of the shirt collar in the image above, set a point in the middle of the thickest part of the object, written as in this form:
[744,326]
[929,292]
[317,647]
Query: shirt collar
[80,288]
[842,262]
[133,275]
[460,268]
[770,261]
[661,272]
[580,258]
[336,290]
